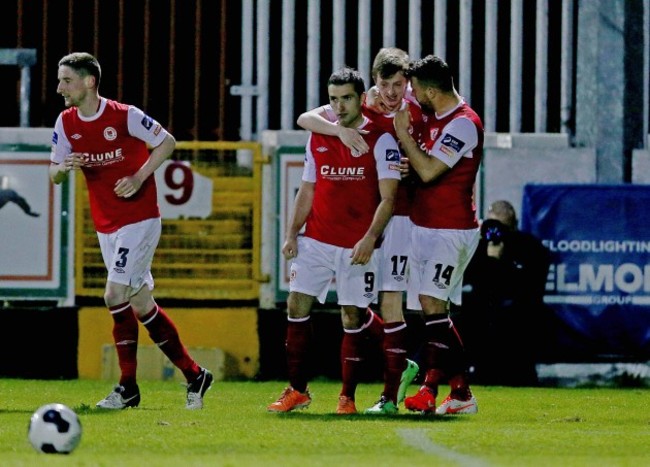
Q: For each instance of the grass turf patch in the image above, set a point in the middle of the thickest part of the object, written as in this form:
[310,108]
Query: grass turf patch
[514,426]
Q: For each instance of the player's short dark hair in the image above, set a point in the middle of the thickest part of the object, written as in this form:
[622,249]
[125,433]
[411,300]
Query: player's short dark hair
[83,64]
[347,75]
[388,61]
[432,71]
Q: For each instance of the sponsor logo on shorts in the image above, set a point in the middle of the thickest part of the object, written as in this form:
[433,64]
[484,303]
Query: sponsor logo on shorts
[118,270]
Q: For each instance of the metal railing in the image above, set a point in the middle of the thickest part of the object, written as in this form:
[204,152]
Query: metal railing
[213,258]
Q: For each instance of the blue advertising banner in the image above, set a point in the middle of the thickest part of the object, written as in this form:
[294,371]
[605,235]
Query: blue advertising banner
[599,280]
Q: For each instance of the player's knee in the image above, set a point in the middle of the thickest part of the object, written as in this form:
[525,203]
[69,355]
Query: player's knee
[352,317]
[115,294]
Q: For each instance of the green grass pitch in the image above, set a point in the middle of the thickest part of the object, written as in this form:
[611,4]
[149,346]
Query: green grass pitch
[514,427]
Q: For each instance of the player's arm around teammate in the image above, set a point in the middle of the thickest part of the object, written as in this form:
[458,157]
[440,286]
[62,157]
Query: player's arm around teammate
[323,120]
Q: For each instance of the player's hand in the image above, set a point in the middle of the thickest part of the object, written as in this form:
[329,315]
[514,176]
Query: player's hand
[127,187]
[375,102]
[404,167]
[362,251]
[402,120]
[73,161]
[290,248]
[352,138]
[495,250]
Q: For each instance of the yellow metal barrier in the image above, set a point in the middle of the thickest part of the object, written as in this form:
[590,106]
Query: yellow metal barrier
[215,258]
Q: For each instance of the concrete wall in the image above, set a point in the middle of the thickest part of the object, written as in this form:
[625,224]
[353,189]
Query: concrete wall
[641,166]
[513,160]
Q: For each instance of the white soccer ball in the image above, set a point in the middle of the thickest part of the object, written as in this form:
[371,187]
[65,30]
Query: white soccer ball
[54,429]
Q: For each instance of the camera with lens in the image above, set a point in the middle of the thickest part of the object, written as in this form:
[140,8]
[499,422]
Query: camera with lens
[493,231]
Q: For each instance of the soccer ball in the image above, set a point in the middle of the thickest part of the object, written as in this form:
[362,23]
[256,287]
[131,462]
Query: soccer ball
[54,429]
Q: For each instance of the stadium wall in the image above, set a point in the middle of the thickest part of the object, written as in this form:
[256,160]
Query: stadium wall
[38,342]
[232,330]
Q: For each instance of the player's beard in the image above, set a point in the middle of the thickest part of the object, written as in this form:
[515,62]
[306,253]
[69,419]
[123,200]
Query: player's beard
[348,119]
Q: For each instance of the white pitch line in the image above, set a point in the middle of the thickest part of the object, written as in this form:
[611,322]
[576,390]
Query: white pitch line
[418,439]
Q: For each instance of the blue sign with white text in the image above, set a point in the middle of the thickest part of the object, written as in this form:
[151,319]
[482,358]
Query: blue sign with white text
[599,279]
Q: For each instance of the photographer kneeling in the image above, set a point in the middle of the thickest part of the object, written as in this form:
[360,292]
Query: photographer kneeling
[503,314]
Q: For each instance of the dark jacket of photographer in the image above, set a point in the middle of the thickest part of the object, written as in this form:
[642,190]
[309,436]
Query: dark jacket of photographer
[503,313]
[518,276]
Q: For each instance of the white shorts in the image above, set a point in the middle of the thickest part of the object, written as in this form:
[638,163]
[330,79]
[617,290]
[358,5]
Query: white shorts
[438,261]
[128,253]
[393,256]
[317,264]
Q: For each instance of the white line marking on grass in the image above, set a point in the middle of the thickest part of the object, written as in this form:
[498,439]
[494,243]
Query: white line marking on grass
[418,439]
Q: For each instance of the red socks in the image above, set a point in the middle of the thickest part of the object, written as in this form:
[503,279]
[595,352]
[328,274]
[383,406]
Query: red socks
[444,355]
[125,336]
[298,344]
[373,326]
[352,360]
[164,334]
[394,357]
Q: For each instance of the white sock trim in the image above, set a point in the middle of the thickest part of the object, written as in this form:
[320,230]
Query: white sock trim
[298,320]
[398,328]
[438,321]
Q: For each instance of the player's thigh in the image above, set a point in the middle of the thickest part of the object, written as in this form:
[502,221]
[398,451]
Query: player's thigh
[441,256]
[312,270]
[393,256]
[128,253]
[355,284]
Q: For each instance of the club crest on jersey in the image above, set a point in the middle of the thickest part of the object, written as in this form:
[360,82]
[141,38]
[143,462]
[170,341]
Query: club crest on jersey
[433,134]
[110,133]
[392,155]
[453,143]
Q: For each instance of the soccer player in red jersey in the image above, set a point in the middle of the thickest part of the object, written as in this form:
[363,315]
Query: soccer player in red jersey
[390,94]
[446,231]
[344,203]
[107,141]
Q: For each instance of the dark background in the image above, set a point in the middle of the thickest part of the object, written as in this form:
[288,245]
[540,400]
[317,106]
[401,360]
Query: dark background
[178,59]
